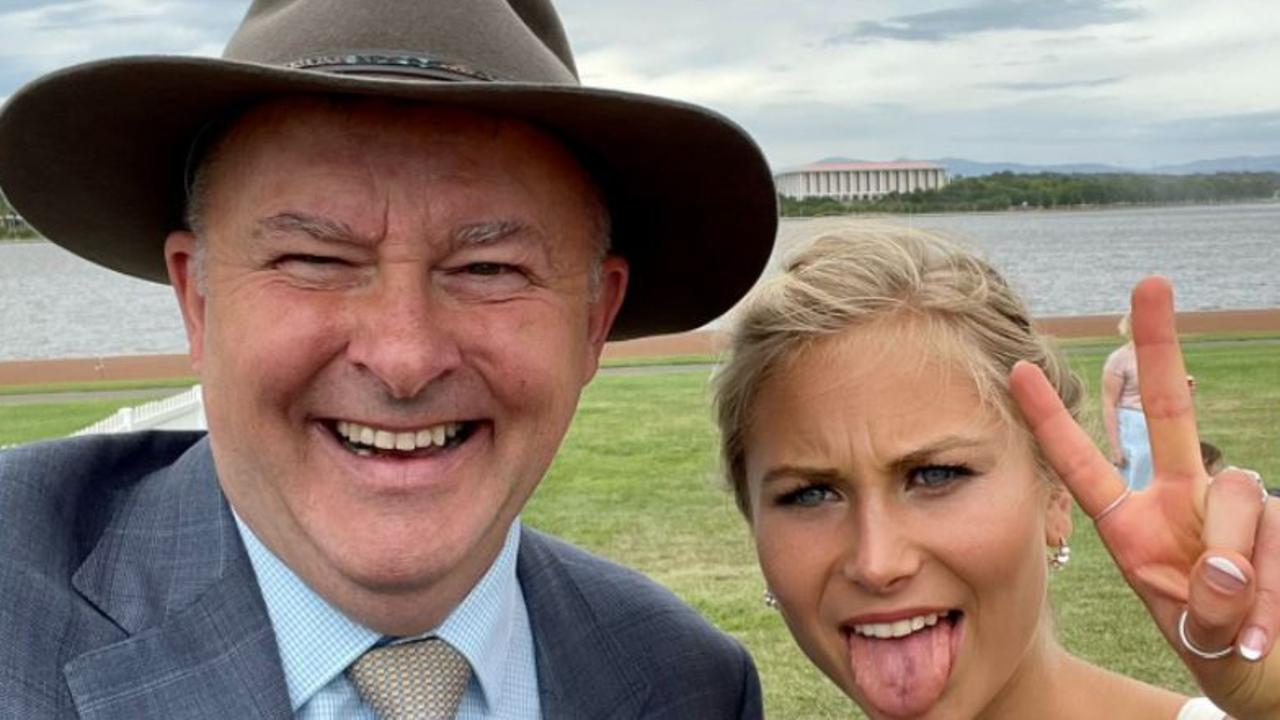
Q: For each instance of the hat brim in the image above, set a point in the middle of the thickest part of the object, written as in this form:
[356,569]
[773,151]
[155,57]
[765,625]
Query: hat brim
[94,157]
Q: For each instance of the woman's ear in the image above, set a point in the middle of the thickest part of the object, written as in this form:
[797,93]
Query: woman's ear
[1058,525]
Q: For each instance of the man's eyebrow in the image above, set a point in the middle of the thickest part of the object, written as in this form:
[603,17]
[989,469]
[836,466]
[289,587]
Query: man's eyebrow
[486,233]
[320,228]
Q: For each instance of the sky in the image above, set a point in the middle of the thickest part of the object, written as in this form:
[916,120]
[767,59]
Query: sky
[1136,83]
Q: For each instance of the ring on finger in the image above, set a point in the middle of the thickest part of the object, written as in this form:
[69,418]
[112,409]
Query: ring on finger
[1196,650]
[1114,504]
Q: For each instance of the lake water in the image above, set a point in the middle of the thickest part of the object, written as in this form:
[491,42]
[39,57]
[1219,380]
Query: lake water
[53,304]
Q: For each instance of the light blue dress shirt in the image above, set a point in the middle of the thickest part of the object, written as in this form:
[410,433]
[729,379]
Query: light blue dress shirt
[490,628]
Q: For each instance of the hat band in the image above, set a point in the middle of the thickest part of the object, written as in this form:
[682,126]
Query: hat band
[369,64]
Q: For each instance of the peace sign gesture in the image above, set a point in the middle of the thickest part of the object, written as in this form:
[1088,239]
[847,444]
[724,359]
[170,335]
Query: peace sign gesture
[1202,553]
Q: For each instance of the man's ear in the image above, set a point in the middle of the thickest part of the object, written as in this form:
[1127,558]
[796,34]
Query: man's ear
[612,288]
[184,274]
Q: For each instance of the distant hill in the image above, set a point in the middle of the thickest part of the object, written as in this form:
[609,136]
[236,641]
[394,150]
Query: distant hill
[1269,163]
[961,167]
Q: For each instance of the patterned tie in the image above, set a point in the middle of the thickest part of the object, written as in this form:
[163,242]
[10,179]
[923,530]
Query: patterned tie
[420,680]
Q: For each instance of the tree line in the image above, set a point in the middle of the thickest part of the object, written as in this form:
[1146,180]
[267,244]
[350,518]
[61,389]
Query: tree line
[1006,190]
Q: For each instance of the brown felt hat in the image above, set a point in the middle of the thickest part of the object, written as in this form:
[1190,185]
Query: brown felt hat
[95,156]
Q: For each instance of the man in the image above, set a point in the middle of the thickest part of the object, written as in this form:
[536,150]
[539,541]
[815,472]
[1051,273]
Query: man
[399,233]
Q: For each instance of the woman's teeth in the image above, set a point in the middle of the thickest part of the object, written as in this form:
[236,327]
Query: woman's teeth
[366,438]
[900,628]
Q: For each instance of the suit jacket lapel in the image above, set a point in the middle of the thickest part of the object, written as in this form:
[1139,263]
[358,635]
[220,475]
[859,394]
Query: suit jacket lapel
[582,673]
[170,571]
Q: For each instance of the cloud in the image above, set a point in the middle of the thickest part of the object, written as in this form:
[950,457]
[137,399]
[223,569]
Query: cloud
[1044,86]
[989,15]
[43,36]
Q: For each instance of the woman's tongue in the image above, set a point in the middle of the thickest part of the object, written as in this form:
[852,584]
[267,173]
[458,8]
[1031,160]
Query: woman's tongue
[903,676]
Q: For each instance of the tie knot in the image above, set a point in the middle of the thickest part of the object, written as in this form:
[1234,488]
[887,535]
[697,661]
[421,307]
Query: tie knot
[420,680]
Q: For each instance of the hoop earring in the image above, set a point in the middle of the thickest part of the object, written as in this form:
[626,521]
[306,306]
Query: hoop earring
[769,600]
[1059,558]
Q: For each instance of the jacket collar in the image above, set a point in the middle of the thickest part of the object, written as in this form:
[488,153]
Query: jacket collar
[573,644]
[169,570]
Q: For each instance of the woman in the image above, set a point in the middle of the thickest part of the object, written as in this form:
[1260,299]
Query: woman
[898,437]
[1122,412]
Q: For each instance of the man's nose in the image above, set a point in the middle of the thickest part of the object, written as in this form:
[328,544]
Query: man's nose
[881,557]
[403,336]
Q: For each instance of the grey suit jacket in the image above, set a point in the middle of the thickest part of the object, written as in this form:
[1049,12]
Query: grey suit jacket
[125,592]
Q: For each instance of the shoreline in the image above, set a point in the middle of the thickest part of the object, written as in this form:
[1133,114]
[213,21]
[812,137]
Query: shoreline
[1030,210]
[697,342]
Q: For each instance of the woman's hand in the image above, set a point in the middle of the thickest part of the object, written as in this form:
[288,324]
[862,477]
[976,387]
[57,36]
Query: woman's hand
[1210,547]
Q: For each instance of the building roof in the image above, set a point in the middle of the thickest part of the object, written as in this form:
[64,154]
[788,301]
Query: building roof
[902,165]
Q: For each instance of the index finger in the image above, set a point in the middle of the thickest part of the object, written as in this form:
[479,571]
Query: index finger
[1067,447]
[1162,383]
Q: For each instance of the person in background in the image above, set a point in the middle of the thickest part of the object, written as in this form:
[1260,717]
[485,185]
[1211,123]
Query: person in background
[902,443]
[1126,426]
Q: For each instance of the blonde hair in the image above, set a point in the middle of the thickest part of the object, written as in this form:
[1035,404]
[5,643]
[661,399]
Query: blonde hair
[1123,327]
[852,277]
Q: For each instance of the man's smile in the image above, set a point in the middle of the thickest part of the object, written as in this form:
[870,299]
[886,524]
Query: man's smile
[373,441]
[364,439]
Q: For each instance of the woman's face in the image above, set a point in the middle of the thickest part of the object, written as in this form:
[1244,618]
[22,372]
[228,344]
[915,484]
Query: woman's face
[901,525]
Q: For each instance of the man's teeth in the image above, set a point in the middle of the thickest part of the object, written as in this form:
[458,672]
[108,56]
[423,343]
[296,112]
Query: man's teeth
[433,436]
[900,628]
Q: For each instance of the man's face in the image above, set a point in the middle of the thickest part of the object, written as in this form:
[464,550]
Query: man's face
[397,321]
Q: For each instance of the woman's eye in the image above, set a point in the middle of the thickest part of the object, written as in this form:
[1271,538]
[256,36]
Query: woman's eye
[807,496]
[938,476]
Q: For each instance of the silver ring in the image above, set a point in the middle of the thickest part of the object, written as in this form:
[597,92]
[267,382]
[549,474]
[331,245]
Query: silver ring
[1114,504]
[1191,647]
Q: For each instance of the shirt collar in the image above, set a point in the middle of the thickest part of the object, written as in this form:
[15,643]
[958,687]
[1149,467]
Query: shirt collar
[317,642]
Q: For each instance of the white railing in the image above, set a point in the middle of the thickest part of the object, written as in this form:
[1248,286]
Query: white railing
[185,409]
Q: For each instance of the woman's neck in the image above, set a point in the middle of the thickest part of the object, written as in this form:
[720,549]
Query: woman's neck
[1053,684]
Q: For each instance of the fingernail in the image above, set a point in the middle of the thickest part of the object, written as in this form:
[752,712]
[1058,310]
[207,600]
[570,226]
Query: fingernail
[1252,643]
[1224,575]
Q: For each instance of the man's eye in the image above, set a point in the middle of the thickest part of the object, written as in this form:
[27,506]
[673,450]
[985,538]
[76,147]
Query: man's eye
[807,496]
[932,477]
[302,259]
[488,268]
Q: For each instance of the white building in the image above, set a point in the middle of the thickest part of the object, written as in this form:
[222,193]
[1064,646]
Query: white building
[860,180]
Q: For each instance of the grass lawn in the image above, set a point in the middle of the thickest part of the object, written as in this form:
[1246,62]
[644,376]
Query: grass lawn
[24,423]
[637,481]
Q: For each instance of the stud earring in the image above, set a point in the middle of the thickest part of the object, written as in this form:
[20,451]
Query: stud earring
[769,600]
[1059,558]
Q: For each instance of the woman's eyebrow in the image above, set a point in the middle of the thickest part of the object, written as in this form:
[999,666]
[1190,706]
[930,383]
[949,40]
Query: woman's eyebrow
[925,453]
[800,472]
